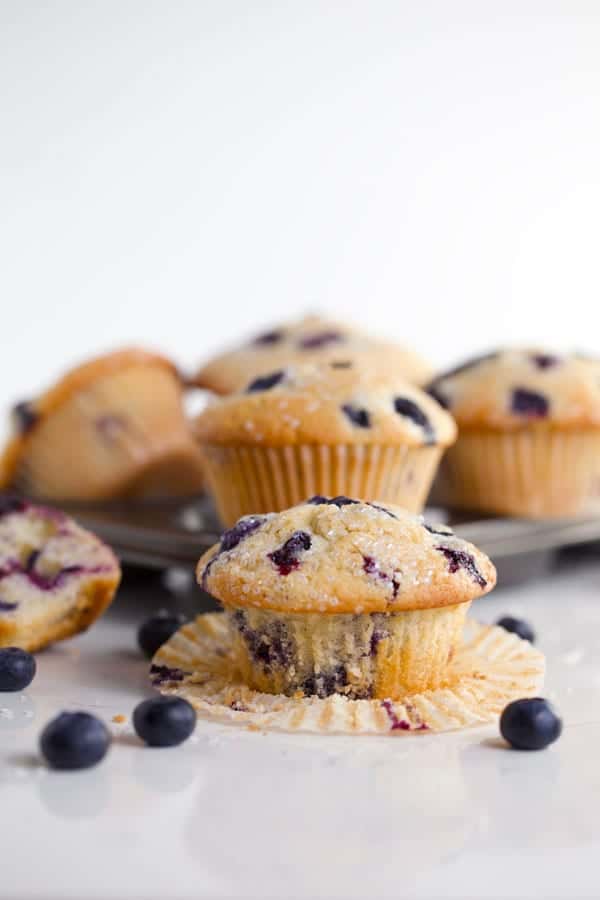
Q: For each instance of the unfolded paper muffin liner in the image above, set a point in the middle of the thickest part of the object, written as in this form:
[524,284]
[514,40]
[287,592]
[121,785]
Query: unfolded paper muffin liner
[490,669]
[368,655]
[257,479]
[533,472]
[124,434]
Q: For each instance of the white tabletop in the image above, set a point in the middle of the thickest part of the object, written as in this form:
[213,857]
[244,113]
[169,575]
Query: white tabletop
[233,813]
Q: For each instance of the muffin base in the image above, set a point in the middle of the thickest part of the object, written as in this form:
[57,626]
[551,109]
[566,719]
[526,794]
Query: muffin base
[535,472]
[256,479]
[491,668]
[359,656]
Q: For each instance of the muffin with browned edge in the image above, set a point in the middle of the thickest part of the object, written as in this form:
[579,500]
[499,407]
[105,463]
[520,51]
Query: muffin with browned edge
[111,428]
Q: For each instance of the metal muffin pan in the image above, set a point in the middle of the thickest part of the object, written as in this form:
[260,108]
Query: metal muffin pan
[175,533]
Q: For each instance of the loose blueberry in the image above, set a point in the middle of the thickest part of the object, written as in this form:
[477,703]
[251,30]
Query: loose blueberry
[10,504]
[74,740]
[17,669]
[409,409]
[517,626]
[164,721]
[25,416]
[530,724]
[287,557]
[459,559]
[322,339]
[269,337]
[265,382]
[359,417]
[157,630]
[529,403]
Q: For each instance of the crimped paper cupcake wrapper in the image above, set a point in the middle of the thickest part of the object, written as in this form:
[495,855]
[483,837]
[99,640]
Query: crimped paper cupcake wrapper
[374,655]
[531,472]
[255,479]
[491,668]
[124,434]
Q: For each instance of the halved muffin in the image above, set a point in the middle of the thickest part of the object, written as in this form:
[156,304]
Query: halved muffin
[55,578]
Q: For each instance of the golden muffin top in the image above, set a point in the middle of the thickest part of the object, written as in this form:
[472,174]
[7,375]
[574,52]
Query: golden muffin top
[340,555]
[509,389]
[311,339]
[337,402]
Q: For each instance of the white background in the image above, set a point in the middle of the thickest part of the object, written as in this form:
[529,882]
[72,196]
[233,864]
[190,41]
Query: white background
[177,174]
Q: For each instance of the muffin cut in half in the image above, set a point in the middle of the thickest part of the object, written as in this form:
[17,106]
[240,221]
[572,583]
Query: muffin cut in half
[325,429]
[343,596]
[111,428]
[528,434]
[309,340]
[55,578]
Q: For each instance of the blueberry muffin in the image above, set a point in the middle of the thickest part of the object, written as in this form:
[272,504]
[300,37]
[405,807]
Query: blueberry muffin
[55,578]
[529,434]
[113,427]
[342,596]
[325,429]
[310,340]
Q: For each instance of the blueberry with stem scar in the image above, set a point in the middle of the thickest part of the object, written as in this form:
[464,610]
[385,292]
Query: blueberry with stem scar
[517,626]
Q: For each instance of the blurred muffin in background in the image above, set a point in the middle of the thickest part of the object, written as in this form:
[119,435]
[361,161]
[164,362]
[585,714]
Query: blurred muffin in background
[529,434]
[325,429]
[113,427]
[309,340]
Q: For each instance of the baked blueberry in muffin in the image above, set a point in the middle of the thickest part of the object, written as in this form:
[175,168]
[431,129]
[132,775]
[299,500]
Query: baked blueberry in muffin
[55,578]
[309,340]
[337,595]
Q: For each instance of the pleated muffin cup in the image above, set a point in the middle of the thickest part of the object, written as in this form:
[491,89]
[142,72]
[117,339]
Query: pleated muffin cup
[344,596]
[111,428]
[312,340]
[321,430]
[529,435]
